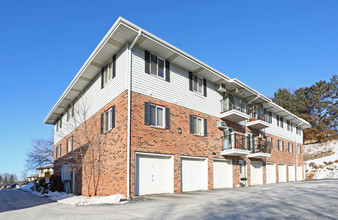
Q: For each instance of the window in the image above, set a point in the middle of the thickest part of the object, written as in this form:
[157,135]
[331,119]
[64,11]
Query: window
[157,66]
[68,114]
[298,149]
[156,115]
[298,131]
[108,72]
[288,125]
[291,127]
[60,122]
[198,125]
[280,145]
[58,151]
[108,120]
[290,148]
[269,117]
[70,144]
[279,121]
[197,84]
[57,126]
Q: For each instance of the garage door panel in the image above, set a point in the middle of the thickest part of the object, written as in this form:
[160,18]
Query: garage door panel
[256,173]
[292,174]
[194,174]
[282,173]
[222,174]
[299,173]
[154,174]
[270,173]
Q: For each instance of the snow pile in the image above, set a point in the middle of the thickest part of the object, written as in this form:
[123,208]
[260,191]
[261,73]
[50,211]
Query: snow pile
[27,187]
[96,200]
[71,199]
[324,167]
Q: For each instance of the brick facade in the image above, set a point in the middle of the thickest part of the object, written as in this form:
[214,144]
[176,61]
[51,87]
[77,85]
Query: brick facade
[150,139]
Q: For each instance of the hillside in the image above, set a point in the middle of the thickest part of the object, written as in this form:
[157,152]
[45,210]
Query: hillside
[321,160]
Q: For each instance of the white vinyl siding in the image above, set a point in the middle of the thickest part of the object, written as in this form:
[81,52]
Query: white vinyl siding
[95,98]
[177,91]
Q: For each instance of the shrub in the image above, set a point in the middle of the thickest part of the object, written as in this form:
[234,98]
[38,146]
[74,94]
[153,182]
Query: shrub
[55,184]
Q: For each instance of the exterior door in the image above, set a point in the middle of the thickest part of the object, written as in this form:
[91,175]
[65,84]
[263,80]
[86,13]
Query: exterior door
[222,174]
[282,173]
[194,174]
[153,174]
[271,173]
[299,172]
[292,174]
[256,173]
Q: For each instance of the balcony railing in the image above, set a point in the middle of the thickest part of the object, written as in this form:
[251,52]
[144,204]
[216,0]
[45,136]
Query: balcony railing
[227,105]
[235,141]
[260,146]
[258,115]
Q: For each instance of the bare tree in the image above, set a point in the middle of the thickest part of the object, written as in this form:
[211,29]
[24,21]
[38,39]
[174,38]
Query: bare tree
[89,154]
[41,153]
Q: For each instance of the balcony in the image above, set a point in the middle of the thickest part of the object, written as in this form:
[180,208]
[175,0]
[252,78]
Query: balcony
[258,119]
[259,149]
[235,145]
[234,112]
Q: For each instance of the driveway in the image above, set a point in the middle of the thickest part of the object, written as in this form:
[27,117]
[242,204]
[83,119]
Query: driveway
[296,200]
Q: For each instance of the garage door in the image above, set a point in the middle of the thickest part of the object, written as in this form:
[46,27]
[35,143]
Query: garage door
[222,173]
[194,173]
[292,173]
[270,173]
[282,173]
[299,172]
[154,174]
[256,173]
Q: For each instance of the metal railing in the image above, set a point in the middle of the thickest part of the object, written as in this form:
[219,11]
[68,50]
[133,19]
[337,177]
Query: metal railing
[227,105]
[242,142]
[235,141]
[257,115]
[260,146]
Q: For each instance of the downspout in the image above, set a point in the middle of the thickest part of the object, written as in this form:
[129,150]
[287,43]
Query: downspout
[129,111]
[296,149]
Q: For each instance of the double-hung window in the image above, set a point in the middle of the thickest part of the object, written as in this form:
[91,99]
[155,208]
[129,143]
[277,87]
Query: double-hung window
[290,148]
[157,66]
[70,144]
[58,151]
[288,125]
[198,125]
[156,115]
[108,72]
[197,84]
[280,145]
[108,120]
[298,149]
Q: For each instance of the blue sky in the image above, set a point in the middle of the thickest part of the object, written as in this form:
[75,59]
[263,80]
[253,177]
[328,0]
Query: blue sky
[266,44]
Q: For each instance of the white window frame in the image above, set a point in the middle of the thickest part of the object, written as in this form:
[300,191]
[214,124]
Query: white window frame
[58,151]
[156,122]
[298,150]
[57,126]
[290,146]
[280,145]
[107,120]
[197,119]
[199,78]
[157,67]
[108,73]
[70,144]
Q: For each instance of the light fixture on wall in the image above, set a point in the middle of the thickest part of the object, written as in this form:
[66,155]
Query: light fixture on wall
[179,130]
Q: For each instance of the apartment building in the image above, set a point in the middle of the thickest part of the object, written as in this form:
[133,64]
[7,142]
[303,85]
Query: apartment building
[171,123]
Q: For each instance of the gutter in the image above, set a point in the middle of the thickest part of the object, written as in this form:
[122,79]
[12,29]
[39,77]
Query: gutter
[129,110]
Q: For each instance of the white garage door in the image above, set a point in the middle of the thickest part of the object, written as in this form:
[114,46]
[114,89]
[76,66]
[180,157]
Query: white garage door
[292,173]
[154,174]
[270,173]
[256,173]
[222,173]
[282,173]
[299,172]
[194,173]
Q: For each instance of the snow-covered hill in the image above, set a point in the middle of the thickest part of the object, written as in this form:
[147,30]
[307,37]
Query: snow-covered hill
[321,160]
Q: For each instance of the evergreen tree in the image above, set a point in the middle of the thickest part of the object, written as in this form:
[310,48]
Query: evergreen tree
[11,179]
[1,180]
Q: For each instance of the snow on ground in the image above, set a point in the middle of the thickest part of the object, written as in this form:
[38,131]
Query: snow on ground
[324,167]
[27,187]
[71,199]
